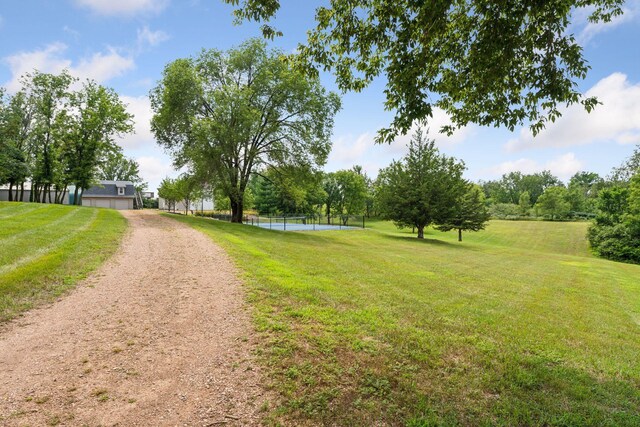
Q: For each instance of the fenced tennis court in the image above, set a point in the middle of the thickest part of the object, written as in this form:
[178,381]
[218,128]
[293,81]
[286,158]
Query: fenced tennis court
[298,222]
[302,223]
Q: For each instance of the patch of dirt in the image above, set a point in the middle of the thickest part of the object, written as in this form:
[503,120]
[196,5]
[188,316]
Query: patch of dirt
[158,336]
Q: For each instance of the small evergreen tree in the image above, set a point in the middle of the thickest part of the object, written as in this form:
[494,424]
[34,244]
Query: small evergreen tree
[422,188]
[471,213]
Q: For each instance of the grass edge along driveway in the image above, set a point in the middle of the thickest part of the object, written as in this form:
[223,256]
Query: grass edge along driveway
[518,325]
[46,249]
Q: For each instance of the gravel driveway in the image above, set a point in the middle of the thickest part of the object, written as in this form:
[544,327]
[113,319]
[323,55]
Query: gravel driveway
[158,336]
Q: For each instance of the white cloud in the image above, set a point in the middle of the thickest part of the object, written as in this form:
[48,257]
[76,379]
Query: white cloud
[362,150]
[71,32]
[617,119]
[146,37]
[104,66]
[140,107]
[123,7]
[590,29]
[347,151]
[564,166]
[154,169]
[101,66]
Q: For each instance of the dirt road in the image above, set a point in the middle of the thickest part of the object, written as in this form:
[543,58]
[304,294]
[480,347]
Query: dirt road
[158,336]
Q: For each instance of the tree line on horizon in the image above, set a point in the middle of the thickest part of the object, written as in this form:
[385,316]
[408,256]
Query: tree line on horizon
[57,132]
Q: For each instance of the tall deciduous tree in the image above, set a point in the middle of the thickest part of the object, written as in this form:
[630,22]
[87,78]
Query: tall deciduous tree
[351,194]
[421,189]
[491,63]
[16,122]
[226,114]
[48,95]
[187,189]
[168,191]
[470,213]
[97,116]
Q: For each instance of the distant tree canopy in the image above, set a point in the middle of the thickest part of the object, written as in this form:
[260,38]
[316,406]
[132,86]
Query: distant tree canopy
[117,167]
[509,188]
[553,203]
[622,175]
[491,63]
[57,136]
[229,114]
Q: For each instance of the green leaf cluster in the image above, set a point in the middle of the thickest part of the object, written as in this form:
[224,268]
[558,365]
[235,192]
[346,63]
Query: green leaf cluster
[485,62]
[615,234]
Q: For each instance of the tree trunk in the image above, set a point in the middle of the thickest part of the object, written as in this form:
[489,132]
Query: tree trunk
[420,232]
[75,196]
[11,191]
[22,191]
[236,211]
[62,196]
[459,234]
[328,214]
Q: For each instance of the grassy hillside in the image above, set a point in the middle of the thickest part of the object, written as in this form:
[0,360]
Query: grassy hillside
[46,249]
[517,325]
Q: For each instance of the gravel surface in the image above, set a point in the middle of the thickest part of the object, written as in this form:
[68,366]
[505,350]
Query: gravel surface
[158,336]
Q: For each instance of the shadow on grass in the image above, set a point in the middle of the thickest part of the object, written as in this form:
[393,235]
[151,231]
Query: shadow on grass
[427,241]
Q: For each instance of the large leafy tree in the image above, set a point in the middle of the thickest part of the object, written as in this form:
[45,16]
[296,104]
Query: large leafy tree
[421,189]
[16,121]
[615,234]
[97,116]
[485,62]
[470,213]
[351,195]
[169,192]
[13,160]
[48,96]
[228,114]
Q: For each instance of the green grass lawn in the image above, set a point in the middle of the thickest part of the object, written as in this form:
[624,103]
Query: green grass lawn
[46,249]
[517,325]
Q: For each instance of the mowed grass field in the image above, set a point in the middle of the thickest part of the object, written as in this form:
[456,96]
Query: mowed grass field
[46,249]
[516,325]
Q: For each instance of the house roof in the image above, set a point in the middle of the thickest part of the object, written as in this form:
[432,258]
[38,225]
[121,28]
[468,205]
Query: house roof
[110,189]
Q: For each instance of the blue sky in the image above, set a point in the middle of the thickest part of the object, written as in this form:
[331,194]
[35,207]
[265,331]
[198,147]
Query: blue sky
[125,44]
